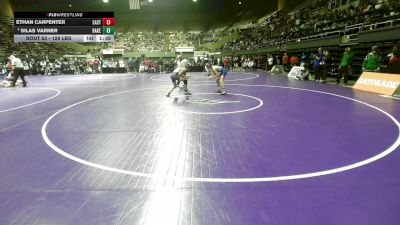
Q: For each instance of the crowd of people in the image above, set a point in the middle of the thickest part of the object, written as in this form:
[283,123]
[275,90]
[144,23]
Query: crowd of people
[180,39]
[153,41]
[323,16]
[319,64]
[48,66]
[316,19]
[74,65]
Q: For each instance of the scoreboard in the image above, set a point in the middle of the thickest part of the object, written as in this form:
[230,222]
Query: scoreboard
[64,26]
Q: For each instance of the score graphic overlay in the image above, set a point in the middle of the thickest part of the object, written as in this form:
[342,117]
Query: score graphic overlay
[64,26]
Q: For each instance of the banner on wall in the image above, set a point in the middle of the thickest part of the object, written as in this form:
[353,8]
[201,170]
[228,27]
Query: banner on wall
[112,51]
[215,53]
[201,53]
[382,83]
[184,49]
[78,56]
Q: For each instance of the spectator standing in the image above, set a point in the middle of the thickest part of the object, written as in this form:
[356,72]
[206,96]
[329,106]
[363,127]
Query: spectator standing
[345,66]
[130,65]
[245,64]
[270,62]
[285,62]
[161,65]
[136,64]
[226,63]
[326,65]
[318,63]
[304,60]
[394,60]
[250,64]
[372,61]
[294,60]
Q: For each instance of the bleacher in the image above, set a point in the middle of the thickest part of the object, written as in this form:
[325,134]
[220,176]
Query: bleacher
[181,39]
[320,19]
[5,26]
[31,49]
[310,20]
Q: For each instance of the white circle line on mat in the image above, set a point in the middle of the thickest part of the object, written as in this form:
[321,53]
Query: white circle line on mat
[384,153]
[87,81]
[58,92]
[260,103]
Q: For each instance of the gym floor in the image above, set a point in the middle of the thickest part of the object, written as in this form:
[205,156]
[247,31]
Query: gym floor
[112,149]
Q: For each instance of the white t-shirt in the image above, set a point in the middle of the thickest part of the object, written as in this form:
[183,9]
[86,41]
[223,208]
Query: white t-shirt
[217,68]
[178,69]
[270,61]
[183,63]
[16,62]
[250,64]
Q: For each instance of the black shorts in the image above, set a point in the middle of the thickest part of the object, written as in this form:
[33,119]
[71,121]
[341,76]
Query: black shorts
[175,78]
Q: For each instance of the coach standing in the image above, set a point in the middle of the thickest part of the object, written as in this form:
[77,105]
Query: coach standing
[18,70]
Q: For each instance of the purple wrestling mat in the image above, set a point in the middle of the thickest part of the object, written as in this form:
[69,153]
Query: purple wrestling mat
[112,149]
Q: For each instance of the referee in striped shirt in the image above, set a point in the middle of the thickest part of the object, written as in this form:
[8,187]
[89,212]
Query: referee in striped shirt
[18,70]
